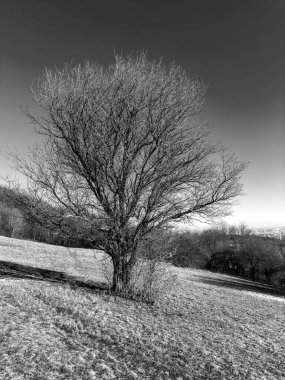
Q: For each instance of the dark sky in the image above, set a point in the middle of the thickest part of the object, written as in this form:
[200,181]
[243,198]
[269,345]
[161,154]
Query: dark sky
[236,47]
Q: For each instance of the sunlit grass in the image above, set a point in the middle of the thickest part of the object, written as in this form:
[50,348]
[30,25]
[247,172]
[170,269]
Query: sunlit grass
[199,331]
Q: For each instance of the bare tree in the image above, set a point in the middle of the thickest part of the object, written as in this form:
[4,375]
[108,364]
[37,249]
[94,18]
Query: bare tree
[261,255]
[125,152]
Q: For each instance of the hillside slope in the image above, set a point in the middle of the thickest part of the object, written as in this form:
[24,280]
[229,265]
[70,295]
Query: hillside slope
[52,326]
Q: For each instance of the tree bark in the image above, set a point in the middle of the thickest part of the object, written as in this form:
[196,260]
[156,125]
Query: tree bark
[268,273]
[252,274]
[122,269]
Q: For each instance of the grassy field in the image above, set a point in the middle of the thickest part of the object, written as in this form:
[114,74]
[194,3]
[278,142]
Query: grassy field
[56,324]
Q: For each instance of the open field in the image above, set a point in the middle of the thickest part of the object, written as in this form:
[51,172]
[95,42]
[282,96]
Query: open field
[55,323]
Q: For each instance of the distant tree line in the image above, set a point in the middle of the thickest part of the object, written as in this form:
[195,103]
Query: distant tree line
[15,222]
[234,251]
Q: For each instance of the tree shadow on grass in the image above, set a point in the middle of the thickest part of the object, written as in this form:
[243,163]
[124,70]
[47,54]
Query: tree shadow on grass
[19,271]
[242,284]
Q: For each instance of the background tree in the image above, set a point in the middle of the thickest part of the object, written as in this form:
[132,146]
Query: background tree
[190,250]
[6,224]
[261,256]
[125,151]
[243,230]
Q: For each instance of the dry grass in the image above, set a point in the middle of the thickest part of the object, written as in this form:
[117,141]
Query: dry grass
[49,330]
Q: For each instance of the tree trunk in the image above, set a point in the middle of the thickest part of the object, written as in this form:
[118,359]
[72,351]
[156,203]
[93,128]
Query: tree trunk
[252,274]
[122,269]
[268,274]
[122,247]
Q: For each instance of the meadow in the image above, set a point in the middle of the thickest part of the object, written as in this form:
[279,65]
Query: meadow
[57,321]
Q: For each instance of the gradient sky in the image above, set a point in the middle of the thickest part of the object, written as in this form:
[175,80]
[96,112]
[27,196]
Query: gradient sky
[236,47]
